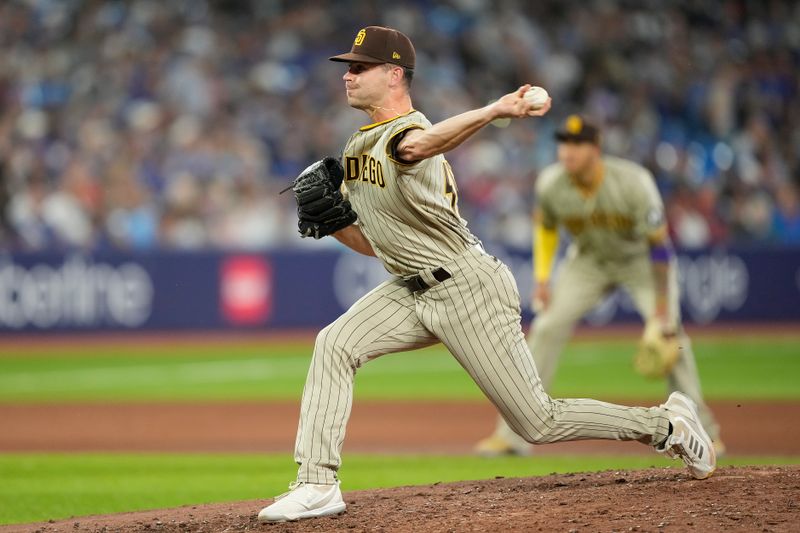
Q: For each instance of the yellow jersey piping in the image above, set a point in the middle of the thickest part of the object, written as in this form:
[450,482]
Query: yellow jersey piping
[382,122]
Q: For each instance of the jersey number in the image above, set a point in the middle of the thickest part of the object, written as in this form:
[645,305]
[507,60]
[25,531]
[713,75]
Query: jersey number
[450,187]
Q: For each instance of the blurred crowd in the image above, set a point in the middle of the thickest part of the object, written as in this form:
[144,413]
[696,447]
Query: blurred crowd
[145,124]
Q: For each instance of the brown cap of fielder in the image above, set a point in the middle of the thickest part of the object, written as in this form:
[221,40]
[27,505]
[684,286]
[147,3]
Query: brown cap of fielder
[577,128]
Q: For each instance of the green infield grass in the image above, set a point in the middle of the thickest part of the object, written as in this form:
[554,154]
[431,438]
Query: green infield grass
[731,368]
[38,487]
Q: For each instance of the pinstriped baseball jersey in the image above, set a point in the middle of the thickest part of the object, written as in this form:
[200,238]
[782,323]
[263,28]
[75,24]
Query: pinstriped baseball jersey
[611,223]
[408,212]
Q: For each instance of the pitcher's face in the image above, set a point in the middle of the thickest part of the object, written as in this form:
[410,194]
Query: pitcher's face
[366,84]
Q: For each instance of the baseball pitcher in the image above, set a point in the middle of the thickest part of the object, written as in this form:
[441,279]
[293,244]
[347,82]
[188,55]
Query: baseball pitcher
[394,196]
[614,214]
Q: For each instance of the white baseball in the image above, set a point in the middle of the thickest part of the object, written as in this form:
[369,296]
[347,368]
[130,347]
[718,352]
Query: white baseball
[536,96]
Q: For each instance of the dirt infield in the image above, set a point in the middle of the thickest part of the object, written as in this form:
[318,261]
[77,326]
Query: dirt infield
[387,427]
[663,500]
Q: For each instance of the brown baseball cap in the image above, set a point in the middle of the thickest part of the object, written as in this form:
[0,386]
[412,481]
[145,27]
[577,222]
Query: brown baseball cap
[577,128]
[376,44]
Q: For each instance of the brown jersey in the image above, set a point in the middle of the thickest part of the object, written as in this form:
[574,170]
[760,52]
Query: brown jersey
[408,212]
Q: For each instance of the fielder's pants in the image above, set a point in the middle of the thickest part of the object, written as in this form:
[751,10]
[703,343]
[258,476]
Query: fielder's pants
[582,282]
[476,314]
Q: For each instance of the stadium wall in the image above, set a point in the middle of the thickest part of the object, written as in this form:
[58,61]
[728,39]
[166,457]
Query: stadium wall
[291,289]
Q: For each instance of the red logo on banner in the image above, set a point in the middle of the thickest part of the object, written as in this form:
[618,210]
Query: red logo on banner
[246,290]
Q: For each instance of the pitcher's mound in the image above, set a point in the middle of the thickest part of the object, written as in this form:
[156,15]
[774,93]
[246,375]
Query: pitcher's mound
[734,499]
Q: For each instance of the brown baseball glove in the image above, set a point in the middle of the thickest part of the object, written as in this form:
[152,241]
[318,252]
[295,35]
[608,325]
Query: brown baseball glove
[658,351]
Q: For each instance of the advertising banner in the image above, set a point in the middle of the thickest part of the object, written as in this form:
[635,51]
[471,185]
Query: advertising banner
[292,289]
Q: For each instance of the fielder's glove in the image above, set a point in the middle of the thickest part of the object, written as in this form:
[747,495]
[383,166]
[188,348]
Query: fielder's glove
[321,208]
[658,351]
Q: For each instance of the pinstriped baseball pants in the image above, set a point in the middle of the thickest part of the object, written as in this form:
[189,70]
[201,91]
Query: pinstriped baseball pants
[476,314]
[582,282]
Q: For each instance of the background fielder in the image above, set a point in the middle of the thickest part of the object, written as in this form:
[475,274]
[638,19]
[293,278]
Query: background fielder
[614,214]
[445,287]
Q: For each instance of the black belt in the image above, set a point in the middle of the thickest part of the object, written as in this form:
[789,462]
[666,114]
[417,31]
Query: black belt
[416,283]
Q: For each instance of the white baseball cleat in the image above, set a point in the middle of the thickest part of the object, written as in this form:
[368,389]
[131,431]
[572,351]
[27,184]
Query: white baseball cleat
[304,500]
[688,439]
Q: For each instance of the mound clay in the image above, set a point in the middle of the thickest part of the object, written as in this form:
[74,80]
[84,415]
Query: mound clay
[734,499]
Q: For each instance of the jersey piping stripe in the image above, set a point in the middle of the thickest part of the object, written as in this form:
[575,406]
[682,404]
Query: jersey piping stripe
[382,122]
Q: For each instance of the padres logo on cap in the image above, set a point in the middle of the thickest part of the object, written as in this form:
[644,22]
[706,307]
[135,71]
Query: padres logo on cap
[574,124]
[395,55]
[360,37]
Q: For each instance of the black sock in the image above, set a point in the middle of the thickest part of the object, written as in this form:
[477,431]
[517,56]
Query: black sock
[661,444]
